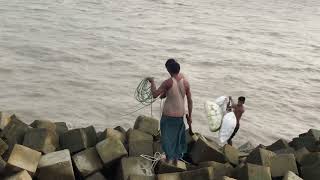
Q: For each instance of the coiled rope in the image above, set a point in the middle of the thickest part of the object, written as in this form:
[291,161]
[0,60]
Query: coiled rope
[143,93]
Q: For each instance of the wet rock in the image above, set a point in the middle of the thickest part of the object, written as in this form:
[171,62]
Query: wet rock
[254,172]
[278,145]
[111,150]
[96,176]
[42,140]
[134,166]
[261,157]
[55,166]
[165,167]
[283,163]
[24,158]
[23,175]
[206,151]
[291,176]
[147,124]
[231,154]
[87,161]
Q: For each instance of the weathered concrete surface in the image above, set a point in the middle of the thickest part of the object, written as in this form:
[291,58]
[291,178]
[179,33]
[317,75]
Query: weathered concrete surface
[246,147]
[140,177]
[56,166]
[87,161]
[43,140]
[254,172]
[304,141]
[231,154]
[300,153]
[23,175]
[120,129]
[203,151]
[280,144]
[44,124]
[140,143]
[13,132]
[283,163]
[3,146]
[219,169]
[24,158]
[291,176]
[169,176]
[61,127]
[165,167]
[75,140]
[135,166]
[261,157]
[112,133]
[310,166]
[96,176]
[111,150]
[147,124]
[203,173]
[2,165]
[157,147]
[91,136]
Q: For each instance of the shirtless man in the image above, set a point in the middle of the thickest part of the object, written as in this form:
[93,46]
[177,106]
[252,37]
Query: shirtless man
[238,110]
[172,127]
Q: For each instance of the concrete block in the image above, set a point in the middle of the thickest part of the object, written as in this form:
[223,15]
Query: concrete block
[91,136]
[157,147]
[254,172]
[283,163]
[288,150]
[136,135]
[61,128]
[4,120]
[111,133]
[300,153]
[227,178]
[14,132]
[164,167]
[203,151]
[310,172]
[75,140]
[280,144]
[246,147]
[2,165]
[135,166]
[203,173]
[310,159]
[96,176]
[261,157]
[87,161]
[55,166]
[169,176]
[3,146]
[44,124]
[315,133]
[306,141]
[219,169]
[291,176]
[111,150]
[120,129]
[140,177]
[138,148]
[42,140]
[24,158]
[231,154]
[23,175]
[147,124]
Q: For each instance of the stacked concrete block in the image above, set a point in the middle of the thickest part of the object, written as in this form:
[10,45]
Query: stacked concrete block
[135,166]
[23,175]
[96,176]
[261,157]
[14,131]
[283,163]
[246,147]
[147,124]
[227,178]
[291,176]
[169,176]
[24,158]
[87,161]
[91,136]
[231,154]
[112,133]
[61,128]
[140,177]
[3,147]
[77,140]
[300,153]
[310,166]
[203,173]
[254,172]
[203,151]
[278,145]
[111,150]
[2,165]
[140,143]
[43,140]
[44,124]
[157,148]
[219,169]
[56,165]
[166,167]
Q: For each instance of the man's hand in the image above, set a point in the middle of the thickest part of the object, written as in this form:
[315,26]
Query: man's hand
[150,79]
[189,119]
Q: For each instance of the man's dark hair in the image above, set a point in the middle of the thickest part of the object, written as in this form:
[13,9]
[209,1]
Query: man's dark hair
[173,66]
[241,98]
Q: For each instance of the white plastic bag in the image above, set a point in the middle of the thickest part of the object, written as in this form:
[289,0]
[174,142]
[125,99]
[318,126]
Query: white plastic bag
[214,115]
[222,101]
[228,125]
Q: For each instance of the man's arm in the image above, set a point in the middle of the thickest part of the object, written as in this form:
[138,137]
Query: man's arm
[189,100]
[231,102]
[160,91]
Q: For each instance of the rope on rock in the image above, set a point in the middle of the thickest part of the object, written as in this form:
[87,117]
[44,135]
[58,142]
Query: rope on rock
[154,159]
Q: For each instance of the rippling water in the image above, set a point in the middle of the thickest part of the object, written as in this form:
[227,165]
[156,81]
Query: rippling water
[80,61]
